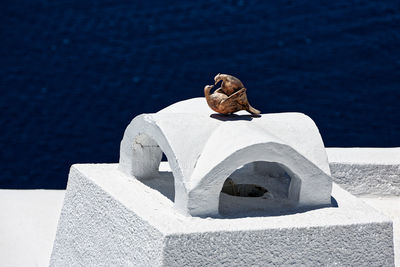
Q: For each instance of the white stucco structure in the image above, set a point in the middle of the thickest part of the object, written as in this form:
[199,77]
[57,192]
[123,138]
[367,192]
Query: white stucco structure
[110,219]
[143,213]
[28,218]
[204,148]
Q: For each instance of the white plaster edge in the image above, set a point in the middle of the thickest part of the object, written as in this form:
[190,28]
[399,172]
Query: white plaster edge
[364,155]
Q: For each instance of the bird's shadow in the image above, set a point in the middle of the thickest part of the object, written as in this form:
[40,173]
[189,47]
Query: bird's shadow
[233,117]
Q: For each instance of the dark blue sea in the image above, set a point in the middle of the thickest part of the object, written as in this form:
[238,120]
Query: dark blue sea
[74,73]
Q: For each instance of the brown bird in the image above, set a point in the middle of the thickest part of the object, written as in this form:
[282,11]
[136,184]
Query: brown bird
[230,98]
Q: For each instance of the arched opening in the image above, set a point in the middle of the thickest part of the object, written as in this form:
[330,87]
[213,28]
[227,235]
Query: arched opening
[242,190]
[259,188]
[154,166]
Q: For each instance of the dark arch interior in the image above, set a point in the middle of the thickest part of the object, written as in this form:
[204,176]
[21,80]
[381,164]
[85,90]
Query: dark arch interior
[242,190]
[258,188]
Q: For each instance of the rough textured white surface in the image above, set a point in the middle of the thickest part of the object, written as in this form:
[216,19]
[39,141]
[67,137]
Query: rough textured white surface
[366,171]
[204,148]
[28,223]
[390,206]
[108,218]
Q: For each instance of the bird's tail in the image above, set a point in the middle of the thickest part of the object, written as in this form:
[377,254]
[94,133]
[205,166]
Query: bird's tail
[253,110]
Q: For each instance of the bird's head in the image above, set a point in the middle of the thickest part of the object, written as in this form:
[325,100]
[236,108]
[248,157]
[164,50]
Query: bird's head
[218,78]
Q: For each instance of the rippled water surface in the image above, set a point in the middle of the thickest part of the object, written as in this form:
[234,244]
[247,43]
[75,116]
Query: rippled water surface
[74,73]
